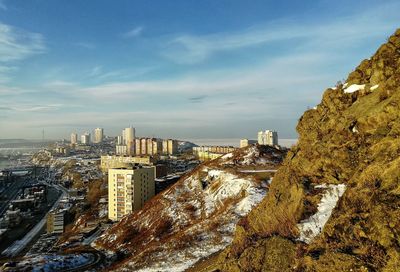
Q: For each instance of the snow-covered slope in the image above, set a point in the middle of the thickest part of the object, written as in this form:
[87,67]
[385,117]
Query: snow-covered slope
[194,218]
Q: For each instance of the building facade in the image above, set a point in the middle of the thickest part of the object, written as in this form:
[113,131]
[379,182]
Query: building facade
[211,152]
[246,142]
[55,222]
[98,135]
[85,138]
[108,162]
[267,137]
[121,150]
[74,138]
[172,147]
[128,189]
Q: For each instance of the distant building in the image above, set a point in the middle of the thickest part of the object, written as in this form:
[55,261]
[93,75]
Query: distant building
[98,135]
[56,221]
[267,137]
[74,138]
[211,152]
[85,138]
[246,142]
[128,136]
[138,150]
[157,147]
[128,189]
[143,146]
[121,150]
[108,162]
[62,150]
[149,149]
[165,147]
[172,147]
[119,140]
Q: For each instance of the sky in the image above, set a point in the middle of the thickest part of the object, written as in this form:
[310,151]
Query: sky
[179,69]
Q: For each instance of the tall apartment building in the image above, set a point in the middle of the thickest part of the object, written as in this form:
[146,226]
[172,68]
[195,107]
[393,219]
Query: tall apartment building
[128,139]
[143,146]
[128,189]
[268,137]
[157,147]
[165,147]
[119,140]
[85,138]
[74,138]
[98,135]
[149,143]
[172,146]
[138,150]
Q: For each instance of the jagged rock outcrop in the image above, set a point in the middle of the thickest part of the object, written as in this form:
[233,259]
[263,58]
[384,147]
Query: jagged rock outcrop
[334,205]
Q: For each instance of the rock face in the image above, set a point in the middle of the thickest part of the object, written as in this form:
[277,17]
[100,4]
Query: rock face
[334,205]
[196,217]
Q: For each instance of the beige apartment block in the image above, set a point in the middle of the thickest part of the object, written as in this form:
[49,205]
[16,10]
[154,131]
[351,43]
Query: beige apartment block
[128,189]
[172,146]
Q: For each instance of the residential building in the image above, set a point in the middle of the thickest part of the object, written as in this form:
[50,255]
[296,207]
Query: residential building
[211,152]
[157,147]
[172,147]
[128,189]
[74,138]
[149,143]
[121,150]
[128,139]
[267,137]
[165,147]
[143,146]
[246,142]
[55,221]
[138,150]
[98,135]
[119,140]
[85,138]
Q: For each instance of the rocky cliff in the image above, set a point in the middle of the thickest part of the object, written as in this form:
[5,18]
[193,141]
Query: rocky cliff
[334,205]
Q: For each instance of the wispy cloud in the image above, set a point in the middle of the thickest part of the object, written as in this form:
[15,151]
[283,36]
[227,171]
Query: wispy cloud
[32,108]
[85,45]
[3,5]
[97,70]
[134,32]
[17,44]
[191,49]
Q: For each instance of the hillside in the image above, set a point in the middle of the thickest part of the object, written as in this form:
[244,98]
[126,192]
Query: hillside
[194,218]
[334,204]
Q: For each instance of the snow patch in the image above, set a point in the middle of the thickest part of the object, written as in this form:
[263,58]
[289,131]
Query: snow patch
[312,227]
[353,88]
[227,156]
[373,88]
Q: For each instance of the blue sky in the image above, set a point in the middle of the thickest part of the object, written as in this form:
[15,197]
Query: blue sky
[183,69]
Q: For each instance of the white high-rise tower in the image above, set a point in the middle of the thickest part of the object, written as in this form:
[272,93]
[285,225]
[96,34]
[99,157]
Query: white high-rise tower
[98,135]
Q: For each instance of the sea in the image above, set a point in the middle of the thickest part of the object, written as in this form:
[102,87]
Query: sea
[236,142]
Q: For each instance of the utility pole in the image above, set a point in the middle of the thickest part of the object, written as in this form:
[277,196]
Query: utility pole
[43,135]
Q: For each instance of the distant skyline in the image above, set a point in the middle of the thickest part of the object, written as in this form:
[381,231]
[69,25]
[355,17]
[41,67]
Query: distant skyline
[178,69]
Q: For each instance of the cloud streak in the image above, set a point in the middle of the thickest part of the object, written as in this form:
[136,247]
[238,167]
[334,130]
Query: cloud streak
[134,32]
[192,49]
